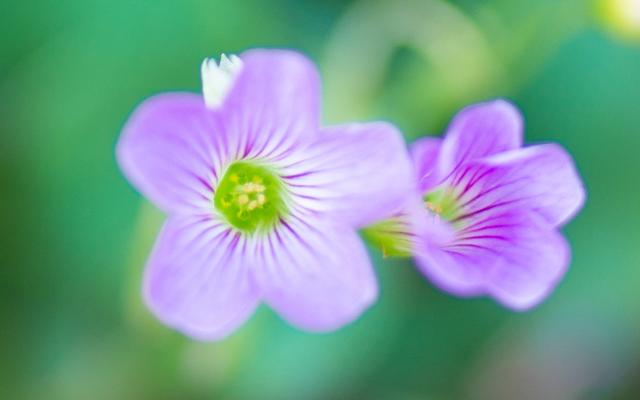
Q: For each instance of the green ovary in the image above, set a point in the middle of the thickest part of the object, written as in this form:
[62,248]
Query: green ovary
[442,201]
[251,197]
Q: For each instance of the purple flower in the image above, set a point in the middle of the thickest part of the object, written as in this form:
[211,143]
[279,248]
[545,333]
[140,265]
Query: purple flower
[262,203]
[501,205]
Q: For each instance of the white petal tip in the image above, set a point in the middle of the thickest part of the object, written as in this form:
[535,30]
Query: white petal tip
[217,78]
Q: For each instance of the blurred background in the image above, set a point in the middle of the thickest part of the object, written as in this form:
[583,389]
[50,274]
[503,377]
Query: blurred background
[75,235]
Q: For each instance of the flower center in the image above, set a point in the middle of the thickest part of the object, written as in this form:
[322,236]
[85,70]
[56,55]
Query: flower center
[250,197]
[443,201]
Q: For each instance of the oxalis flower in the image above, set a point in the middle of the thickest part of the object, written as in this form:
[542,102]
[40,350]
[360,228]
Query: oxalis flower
[495,209]
[262,203]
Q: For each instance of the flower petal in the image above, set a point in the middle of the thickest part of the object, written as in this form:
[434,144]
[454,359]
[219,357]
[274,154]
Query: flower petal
[478,131]
[539,178]
[359,173]
[541,267]
[197,279]
[167,151]
[316,275]
[424,153]
[274,102]
[514,257]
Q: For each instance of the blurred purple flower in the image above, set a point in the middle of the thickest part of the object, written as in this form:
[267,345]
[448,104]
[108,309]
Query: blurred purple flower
[262,203]
[501,205]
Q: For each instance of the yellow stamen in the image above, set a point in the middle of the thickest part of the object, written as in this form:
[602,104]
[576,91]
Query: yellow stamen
[243,199]
[433,207]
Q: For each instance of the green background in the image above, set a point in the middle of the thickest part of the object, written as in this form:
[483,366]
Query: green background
[75,235]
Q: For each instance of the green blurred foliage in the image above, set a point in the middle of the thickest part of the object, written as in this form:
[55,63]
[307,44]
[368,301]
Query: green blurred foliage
[76,235]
